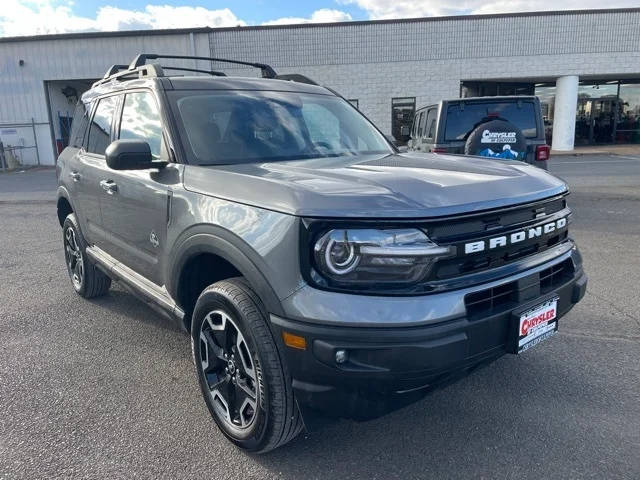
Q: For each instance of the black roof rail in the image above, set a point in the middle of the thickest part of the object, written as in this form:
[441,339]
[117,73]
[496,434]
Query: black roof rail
[140,60]
[296,77]
[150,70]
[114,69]
[210,72]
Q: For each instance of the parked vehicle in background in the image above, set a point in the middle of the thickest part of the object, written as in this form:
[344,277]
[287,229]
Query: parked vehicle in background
[509,128]
[316,267]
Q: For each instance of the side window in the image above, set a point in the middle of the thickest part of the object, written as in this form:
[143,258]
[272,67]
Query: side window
[79,123]
[420,124]
[100,129]
[141,120]
[423,120]
[431,123]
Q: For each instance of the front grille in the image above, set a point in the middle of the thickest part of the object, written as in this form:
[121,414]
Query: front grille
[483,227]
[507,296]
[492,299]
[556,275]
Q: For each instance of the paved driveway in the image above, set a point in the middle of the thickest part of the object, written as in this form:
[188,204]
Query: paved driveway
[106,388]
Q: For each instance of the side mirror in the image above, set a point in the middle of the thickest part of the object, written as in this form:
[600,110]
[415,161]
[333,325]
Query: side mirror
[130,155]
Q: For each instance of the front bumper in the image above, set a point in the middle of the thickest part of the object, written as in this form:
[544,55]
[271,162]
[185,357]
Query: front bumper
[390,367]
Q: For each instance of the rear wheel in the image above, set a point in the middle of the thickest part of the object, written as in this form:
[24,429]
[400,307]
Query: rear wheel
[244,383]
[86,279]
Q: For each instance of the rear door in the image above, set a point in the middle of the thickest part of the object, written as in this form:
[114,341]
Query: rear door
[136,212]
[91,169]
[69,162]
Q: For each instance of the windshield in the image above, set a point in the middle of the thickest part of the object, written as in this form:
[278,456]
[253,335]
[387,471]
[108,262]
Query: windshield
[463,117]
[226,127]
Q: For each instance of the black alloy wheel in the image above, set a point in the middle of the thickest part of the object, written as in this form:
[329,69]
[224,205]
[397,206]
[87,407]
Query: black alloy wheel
[230,370]
[245,384]
[74,258]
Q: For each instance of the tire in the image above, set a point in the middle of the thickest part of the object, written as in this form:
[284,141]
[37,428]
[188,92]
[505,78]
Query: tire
[497,139]
[232,343]
[86,279]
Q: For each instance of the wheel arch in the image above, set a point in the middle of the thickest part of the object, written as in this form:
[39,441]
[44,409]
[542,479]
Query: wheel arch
[203,241]
[63,205]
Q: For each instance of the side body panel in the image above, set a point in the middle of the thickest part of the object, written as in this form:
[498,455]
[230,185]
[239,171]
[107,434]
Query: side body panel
[262,244]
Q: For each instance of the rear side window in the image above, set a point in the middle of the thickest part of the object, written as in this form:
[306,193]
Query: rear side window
[100,130]
[79,123]
[420,124]
[141,120]
[463,118]
[430,129]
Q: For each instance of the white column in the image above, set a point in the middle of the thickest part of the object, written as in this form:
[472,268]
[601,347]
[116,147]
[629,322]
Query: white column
[564,112]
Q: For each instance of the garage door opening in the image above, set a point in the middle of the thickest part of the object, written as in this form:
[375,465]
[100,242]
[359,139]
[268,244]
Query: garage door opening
[62,96]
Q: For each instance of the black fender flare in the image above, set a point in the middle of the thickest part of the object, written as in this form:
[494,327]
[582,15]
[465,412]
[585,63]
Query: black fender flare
[62,192]
[218,241]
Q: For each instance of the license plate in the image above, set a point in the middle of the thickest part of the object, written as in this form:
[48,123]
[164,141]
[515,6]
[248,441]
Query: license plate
[537,324]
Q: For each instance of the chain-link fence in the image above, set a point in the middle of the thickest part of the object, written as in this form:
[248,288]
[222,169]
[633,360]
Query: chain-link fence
[18,145]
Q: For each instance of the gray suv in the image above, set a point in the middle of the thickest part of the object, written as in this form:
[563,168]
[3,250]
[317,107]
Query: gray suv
[317,269]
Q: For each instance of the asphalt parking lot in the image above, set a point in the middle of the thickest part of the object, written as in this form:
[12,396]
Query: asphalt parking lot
[106,388]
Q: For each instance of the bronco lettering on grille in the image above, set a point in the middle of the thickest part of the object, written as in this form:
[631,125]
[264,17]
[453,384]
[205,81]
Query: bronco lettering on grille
[515,237]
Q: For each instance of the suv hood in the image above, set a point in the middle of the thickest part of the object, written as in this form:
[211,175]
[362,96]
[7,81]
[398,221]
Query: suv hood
[411,185]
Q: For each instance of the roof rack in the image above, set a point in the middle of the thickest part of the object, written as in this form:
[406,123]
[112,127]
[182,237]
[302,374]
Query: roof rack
[114,69]
[140,60]
[210,72]
[140,69]
[150,70]
[296,77]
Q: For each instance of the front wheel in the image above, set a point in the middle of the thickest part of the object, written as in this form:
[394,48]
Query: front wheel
[244,383]
[86,279]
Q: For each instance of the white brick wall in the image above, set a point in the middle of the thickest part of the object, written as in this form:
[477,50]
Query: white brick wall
[374,62]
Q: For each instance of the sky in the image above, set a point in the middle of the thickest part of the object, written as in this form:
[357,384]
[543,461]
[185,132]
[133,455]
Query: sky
[36,17]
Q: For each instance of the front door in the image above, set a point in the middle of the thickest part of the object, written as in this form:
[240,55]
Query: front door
[135,212]
[402,113]
[596,120]
[90,170]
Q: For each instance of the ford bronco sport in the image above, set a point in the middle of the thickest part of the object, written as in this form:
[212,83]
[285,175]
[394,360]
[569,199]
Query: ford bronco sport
[316,268]
[507,128]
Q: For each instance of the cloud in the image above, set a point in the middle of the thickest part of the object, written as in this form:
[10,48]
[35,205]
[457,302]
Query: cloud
[324,15]
[385,9]
[36,17]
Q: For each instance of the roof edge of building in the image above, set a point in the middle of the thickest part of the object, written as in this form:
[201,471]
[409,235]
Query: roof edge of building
[180,31]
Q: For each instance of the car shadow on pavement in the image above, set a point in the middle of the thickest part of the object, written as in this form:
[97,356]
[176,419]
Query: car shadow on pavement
[122,302]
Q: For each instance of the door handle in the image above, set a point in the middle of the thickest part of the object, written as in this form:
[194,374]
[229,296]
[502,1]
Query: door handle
[109,186]
[75,176]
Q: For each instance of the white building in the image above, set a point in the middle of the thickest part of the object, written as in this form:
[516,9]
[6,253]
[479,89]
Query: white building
[584,65]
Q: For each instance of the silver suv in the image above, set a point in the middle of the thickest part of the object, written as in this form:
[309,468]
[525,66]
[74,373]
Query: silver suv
[318,270]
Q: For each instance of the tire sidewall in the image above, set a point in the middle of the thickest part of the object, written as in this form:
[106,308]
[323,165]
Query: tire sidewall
[71,223]
[252,437]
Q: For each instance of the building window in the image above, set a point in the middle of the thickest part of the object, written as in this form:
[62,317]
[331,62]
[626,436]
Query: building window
[353,101]
[608,111]
[628,126]
[402,111]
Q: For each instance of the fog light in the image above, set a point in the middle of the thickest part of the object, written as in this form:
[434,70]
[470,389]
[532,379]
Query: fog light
[341,356]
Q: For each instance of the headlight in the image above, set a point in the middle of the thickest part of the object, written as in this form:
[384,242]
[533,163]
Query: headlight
[358,256]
